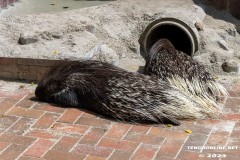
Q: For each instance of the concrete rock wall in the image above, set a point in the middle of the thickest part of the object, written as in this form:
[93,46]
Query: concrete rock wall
[5,3]
[232,6]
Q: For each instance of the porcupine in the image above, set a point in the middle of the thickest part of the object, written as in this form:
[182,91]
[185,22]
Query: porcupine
[117,93]
[182,71]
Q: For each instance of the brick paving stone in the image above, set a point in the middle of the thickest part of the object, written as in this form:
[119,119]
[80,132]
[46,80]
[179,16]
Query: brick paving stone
[89,157]
[170,148]
[93,136]
[140,129]
[233,94]
[146,139]
[29,158]
[187,155]
[80,134]
[235,134]
[232,152]
[12,152]
[194,128]
[13,95]
[120,155]
[238,93]
[226,110]
[21,126]
[46,121]
[6,122]
[218,138]
[233,117]
[230,158]
[145,152]
[237,126]
[102,123]
[118,130]
[92,150]
[3,145]
[229,109]
[65,144]
[233,142]
[26,102]
[217,150]
[225,126]
[164,158]
[17,139]
[166,133]
[6,104]
[70,116]
[70,128]
[43,134]
[48,107]
[30,113]
[89,114]
[228,152]
[61,155]
[208,122]
[235,87]
[195,140]
[118,144]
[39,148]
[233,104]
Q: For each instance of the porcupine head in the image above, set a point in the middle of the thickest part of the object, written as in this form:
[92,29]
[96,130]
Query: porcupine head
[55,89]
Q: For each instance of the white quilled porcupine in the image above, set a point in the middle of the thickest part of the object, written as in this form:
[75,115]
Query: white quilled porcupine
[183,72]
[117,93]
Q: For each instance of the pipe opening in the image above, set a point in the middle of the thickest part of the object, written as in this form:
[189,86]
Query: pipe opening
[183,36]
[174,34]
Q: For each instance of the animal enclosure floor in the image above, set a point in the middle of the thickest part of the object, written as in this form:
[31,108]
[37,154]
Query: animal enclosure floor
[30,130]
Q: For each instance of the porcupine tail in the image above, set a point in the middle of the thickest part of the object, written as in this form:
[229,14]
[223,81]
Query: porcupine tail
[186,104]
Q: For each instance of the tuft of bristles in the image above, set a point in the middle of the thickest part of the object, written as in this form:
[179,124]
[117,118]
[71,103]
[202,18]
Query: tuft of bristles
[120,94]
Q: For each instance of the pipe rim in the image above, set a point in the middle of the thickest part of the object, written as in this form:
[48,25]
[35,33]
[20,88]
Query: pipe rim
[189,31]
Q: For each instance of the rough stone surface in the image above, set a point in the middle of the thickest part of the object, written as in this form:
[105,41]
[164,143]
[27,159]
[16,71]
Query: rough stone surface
[238,28]
[223,45]
[104,54]
[232,32]
[200,12]
[27,38]
[114,29]
[199,25]
[231,65]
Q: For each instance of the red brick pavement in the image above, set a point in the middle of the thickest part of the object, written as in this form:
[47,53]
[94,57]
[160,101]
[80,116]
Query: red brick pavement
[31,130]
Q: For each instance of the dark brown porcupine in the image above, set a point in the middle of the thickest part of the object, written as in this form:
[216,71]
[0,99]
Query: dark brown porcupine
[182,71]
[114,92]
